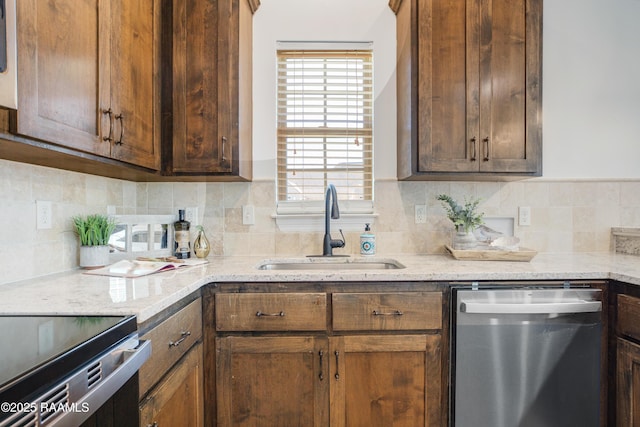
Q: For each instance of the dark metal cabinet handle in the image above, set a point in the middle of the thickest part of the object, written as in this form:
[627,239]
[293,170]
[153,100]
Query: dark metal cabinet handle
[261,314]
[110,114]
[391,313]
[183,336]
[321,375]
[486,147]
[337,375]
[474,152]
[121,118]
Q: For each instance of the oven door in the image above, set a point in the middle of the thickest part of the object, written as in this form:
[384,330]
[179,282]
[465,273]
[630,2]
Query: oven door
[75,398]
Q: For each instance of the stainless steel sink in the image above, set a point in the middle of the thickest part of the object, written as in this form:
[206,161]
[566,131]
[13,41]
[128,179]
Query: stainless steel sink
[329,263]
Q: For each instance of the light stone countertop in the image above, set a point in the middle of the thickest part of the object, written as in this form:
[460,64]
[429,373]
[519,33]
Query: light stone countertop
[75,293]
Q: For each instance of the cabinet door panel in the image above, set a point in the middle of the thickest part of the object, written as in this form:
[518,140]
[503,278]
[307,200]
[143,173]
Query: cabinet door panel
[385,381]
[196,146]
[448,77]
[62,88]
[505,78]
[177,400]
[134,68]
[272,381]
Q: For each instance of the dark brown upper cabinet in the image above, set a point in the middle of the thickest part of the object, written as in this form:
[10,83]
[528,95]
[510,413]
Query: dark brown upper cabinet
[88,78]
[469,88]
[209,98]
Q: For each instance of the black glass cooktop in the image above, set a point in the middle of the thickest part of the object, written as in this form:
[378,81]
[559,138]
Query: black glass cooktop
[37,350]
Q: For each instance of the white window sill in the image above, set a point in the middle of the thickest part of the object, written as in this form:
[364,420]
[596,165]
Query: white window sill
[309,222]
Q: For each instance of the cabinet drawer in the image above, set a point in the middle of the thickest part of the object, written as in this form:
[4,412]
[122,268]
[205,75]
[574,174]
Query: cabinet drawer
[271,312]
[629,316]
[387,311]
[170,340]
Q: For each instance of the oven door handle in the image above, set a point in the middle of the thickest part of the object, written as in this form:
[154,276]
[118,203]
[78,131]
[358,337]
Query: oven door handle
[95,398]
[474,307]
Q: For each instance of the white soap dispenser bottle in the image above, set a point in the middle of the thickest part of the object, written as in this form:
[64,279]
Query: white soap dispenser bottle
[367,242]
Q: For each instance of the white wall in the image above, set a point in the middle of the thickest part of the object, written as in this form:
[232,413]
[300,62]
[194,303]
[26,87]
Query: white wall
[591,85]
[591,80]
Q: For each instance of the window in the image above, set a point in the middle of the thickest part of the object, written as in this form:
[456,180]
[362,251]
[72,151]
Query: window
[325,128]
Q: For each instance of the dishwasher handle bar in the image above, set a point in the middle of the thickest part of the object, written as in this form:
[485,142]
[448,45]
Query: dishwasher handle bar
[475,307]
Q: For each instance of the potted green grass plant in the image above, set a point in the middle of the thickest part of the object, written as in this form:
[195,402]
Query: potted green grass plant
[94,232]
[465,218]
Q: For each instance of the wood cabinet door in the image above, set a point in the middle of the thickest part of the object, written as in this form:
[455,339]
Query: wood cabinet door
[272,381]
[628,384]
[510,86]
[385,381]
[196,146]
[177,400]
[212,87]
[135,81]
[63,79]
[447,85]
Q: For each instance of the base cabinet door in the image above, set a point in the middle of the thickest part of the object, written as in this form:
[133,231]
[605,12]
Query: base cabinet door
[272,381]
[385,381]
[628,384]
[177,399]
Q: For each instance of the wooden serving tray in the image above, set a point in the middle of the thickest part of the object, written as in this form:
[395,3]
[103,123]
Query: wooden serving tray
[523,254]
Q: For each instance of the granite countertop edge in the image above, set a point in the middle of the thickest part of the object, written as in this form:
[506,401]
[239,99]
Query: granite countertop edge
[75,293]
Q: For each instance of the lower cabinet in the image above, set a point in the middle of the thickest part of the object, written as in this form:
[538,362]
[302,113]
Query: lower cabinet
[272,381]
[628,384]
[171,381]
[177,399]
[383,367]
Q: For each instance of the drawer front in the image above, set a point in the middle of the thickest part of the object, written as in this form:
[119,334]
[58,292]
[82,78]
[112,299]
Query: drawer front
[170,340]
[387,311]
[629,316]
[271,312]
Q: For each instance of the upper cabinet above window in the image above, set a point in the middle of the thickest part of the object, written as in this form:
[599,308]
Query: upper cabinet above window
[469,88]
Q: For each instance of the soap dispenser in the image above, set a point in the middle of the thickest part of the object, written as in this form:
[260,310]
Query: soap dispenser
[367,242]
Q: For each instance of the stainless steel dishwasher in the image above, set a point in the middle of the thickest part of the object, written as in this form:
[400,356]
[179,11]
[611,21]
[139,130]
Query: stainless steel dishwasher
[527,357]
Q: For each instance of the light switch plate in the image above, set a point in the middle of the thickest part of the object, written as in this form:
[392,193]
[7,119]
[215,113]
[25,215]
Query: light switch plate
[524,215]
[248,215]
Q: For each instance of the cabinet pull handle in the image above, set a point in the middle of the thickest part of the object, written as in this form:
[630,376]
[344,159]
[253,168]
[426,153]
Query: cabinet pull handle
[474,145]
[486,149]
[183,336]
[261,314]
[391,313]
[321,354]
[224,145]
[337,375]
[121,118]
[110,114]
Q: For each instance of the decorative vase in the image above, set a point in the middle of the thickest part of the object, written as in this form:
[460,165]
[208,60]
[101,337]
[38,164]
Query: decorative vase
[464,240]
[94,256]
[201,246]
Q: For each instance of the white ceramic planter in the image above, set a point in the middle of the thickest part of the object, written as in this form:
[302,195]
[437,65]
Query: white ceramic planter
[94,256]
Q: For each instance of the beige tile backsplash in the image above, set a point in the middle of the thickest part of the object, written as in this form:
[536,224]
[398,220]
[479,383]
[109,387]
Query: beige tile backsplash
[567,216]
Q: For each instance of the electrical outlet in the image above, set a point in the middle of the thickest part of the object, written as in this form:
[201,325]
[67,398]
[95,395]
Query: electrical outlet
[420,214]
[248,215]
[191,215]
[524,215]
[44,216]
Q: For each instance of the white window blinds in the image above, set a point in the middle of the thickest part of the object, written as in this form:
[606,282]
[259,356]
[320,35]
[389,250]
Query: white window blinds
[325,121]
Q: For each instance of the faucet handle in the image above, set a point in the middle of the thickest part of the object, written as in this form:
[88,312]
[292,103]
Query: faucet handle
[339,243]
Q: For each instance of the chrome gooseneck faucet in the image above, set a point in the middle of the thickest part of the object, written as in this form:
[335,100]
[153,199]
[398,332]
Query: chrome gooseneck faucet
[329,243]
